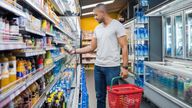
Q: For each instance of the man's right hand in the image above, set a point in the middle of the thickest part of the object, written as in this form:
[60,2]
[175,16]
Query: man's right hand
[72,52]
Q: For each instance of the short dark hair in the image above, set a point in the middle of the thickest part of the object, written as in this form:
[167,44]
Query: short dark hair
[101,6]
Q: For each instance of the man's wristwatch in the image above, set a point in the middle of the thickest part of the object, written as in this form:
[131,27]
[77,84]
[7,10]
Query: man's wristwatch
[125,67]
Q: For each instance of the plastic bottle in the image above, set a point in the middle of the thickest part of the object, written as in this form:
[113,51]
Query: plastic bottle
[20,69]
[12,68]
[40,62]
[142,33]
[180,88]
[4,70]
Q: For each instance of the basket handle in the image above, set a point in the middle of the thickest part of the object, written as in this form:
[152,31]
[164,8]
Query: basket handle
[118,77]
[114,78]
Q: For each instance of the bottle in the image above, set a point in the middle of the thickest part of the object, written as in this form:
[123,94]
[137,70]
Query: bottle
[33,65]
[20,69]
[40,62]
[12,68]
[4,70]
[29,66]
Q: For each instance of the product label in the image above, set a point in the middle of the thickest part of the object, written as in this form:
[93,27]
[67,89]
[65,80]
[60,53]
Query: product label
[19,74]
[12,67]
[4,70]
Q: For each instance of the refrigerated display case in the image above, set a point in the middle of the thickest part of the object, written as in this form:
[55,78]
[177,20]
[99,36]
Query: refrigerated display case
[188,26]
[179,36]
[170,80]
[168,38]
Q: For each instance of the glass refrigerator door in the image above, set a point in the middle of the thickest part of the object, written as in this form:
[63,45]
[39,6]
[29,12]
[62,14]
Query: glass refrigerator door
[189,34]
[179,38]
[168,37]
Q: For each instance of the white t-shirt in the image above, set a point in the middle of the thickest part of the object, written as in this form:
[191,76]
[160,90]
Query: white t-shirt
[108,49]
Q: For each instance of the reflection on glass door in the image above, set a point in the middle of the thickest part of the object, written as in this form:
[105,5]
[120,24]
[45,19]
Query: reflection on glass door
[189,34]
[179,38]
[168,37]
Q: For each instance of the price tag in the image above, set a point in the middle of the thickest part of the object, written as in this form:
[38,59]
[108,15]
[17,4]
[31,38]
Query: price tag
[17,92]
[12,96]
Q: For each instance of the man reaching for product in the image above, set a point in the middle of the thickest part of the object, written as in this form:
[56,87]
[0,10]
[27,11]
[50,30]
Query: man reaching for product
[109,36]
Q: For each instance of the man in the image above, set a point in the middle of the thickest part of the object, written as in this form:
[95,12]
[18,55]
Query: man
[109,36]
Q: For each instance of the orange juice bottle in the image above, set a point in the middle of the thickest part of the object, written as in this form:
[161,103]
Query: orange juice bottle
[12,68]
[4,70]
[20,69]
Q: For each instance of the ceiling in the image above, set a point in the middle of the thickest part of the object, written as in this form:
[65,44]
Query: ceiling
[116,6]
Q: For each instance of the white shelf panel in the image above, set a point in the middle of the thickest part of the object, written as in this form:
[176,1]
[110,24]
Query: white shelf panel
[47,48]
[59,42]
[50,34]
[22,84]
[56,6]
[164,94]
[12,46]
[31,53]
[13,9]
[30,3]
[59,57]
[40,33]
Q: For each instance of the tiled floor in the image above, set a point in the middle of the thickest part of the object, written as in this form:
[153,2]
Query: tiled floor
[91,92]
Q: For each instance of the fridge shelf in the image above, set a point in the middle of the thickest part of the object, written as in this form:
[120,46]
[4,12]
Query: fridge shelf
[50,34]
[47,48]
[22,84]
[56,6]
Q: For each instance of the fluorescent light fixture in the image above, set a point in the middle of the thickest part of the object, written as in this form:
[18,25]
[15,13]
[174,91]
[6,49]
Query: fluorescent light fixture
[88,13]
[93,5]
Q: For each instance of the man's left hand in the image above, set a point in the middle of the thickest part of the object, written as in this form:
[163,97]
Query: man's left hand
[124,73]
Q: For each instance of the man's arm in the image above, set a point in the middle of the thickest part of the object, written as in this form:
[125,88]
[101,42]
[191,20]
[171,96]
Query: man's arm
[89,48]
[123,43]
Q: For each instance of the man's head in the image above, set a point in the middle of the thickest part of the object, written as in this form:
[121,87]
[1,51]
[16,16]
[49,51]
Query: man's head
[100,12]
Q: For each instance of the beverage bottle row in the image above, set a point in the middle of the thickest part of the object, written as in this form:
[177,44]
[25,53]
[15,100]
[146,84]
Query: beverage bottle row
[139,66]
[141,33]
[141,18]
[84,92]
[178,86]
[144,2]
[141,49]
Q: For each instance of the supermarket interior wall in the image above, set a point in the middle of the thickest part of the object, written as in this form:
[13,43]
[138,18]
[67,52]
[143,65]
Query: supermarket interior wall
[89,23]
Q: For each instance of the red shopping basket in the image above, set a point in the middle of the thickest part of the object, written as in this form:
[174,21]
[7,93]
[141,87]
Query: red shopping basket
[124,96]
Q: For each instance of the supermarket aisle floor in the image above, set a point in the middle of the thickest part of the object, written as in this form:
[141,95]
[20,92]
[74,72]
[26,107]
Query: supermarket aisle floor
[91,92]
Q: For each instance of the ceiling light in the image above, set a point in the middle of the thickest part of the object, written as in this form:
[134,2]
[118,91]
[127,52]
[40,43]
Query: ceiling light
[93,5]
[88,13]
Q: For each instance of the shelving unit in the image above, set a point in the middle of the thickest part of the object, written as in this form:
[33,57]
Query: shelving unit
[12,9]
[31,31]
[168,99]
[26,81]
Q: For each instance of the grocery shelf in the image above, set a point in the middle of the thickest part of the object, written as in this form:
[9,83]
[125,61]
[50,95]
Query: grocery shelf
[75,98]
[30,53]
[28,30]
[12,9]
[22,84]
[177,102]
[141,40]
[87,39]
[62,30]
[59,42]
[43,97]
[88,62]
[94,56]
[11,45]
[50,34]
[40,11]
[50,48]
[59,57]
[56,6]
